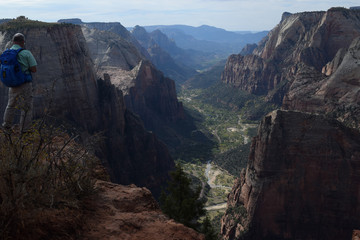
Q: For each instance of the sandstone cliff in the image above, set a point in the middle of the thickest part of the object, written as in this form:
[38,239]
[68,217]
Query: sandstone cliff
[114,27]
[110,51]
[133,154]
[67,87]
[147,92]
[152,96]
[301,44]
[337,95]
[302,181]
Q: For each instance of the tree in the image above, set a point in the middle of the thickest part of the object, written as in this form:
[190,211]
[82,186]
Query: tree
[179,201]
[208,229]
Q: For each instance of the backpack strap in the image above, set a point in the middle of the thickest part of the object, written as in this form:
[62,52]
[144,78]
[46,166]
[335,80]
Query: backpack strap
[19,50]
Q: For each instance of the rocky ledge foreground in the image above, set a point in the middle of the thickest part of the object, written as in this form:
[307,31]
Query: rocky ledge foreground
[130,213]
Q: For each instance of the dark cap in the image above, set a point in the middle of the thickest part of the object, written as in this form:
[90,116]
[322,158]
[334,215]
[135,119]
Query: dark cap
[18,37]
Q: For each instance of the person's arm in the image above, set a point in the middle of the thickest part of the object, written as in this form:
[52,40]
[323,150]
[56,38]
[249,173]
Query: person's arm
[31,62]
[32,69]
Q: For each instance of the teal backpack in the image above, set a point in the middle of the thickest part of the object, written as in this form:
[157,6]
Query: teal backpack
[10,69]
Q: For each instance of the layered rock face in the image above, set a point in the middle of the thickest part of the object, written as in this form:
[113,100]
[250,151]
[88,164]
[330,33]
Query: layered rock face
[67,87]
[337,95]
[302,178]
[109,51]
[65,77]
[152,96]
[302,181]
[301,44]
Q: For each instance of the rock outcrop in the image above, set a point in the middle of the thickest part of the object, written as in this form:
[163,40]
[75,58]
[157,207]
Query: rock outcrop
[152,96]
[337,95]
[134,155]
[146,90]
[248,49]
[110,51]
[301,44]
[67,88]
[130,212]
[302,181]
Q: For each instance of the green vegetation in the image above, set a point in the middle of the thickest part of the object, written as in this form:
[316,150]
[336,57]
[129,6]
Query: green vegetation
[234,159]
[228,117]
[195,169]
[208,230]
[224,119]
[179,201]
[22,22]
[207,78]
[251,107]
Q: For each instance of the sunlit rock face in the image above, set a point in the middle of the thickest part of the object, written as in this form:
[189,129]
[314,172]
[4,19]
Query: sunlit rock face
[302,181]
[337,95]
[302,45]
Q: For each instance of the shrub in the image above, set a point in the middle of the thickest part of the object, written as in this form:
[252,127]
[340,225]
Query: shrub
[41,169]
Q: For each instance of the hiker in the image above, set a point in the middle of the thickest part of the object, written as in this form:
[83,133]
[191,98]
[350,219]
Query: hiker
[20,97]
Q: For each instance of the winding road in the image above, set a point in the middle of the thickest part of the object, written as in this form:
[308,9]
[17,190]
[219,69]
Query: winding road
[210,181]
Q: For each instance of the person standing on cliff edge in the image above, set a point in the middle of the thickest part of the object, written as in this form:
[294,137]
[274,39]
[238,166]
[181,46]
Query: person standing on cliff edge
[20,97]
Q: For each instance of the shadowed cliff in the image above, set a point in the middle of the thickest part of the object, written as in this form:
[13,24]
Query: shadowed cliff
[302,181]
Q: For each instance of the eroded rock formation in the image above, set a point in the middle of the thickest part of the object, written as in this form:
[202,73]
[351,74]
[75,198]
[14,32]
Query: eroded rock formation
[146,90]
[337,95]
[301,44]
[302,181]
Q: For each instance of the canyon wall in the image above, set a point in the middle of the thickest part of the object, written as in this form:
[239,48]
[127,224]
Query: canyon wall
[337,95]
[302,181]
[299,47]
[67,88]
[146,90]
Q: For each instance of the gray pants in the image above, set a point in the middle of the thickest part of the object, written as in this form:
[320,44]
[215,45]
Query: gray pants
[20,98]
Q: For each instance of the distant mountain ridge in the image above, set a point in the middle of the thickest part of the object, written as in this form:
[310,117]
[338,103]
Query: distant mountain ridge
[164,54]
[208,39]
[206,32]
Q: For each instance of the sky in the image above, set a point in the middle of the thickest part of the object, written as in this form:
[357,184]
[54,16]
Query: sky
[232,15]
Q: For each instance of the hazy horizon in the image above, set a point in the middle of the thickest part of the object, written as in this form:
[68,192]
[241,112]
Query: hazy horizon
[232,15]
